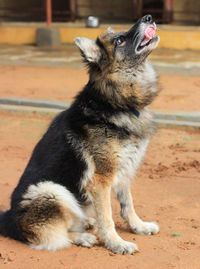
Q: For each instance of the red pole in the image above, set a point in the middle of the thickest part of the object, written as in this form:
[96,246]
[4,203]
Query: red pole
[139,7]
[73,9]
[48,12]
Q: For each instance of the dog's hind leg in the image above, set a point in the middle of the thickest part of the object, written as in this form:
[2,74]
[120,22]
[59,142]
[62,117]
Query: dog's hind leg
[89,212]
[100,192]
[82,239]
[77,233]
[128,213]
[47,214]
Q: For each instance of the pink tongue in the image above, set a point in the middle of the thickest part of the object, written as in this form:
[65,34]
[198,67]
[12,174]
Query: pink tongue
[149,33]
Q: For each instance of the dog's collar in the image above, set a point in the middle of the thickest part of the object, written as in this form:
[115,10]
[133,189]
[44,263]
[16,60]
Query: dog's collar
[134,111]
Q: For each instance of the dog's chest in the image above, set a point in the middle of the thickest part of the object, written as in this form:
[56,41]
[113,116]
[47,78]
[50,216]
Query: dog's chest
[130,157]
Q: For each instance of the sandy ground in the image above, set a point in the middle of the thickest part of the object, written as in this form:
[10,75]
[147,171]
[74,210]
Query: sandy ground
[166,190]
[178,92]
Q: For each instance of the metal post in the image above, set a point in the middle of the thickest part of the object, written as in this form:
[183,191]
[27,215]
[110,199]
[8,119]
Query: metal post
[138,6]
[72,10]
[168,9]
[48,12]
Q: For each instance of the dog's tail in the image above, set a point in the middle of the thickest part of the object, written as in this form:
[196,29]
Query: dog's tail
[8,227]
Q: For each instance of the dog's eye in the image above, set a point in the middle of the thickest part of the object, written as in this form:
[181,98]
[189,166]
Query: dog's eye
[120,40]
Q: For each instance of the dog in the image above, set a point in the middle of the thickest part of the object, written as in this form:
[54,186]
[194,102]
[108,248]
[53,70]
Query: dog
[91,148]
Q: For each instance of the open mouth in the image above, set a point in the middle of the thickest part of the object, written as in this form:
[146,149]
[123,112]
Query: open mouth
[148,38]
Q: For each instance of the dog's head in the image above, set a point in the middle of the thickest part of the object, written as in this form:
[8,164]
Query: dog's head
[120,50]
[117,65]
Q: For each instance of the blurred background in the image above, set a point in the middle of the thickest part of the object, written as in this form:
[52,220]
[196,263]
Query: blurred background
[40,33]
[164,11]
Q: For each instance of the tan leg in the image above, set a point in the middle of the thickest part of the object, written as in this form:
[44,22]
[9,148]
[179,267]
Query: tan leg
[129,215]
[100,192]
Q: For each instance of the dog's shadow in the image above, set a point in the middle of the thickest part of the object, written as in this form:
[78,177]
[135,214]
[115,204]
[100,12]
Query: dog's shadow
[122,227]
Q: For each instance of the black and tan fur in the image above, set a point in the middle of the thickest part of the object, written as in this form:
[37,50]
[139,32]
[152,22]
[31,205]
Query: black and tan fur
[88,150]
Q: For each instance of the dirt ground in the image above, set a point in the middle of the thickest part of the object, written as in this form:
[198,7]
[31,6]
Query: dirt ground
[178,92]
[166,190]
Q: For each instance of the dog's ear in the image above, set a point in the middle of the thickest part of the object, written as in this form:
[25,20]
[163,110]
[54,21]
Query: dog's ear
[90,50]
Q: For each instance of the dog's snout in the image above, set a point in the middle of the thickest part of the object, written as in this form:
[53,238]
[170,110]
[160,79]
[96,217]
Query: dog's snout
[148,18]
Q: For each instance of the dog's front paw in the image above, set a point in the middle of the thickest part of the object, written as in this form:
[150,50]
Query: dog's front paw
[148,228]
[122,247]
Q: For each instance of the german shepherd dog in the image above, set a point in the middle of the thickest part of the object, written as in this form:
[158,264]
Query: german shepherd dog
[91,148]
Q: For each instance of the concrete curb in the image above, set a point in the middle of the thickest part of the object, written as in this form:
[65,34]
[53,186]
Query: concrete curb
[177,116]
[30,111]
[34,103]
[51,108]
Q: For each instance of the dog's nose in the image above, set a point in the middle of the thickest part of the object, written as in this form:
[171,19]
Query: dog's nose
[148,18]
